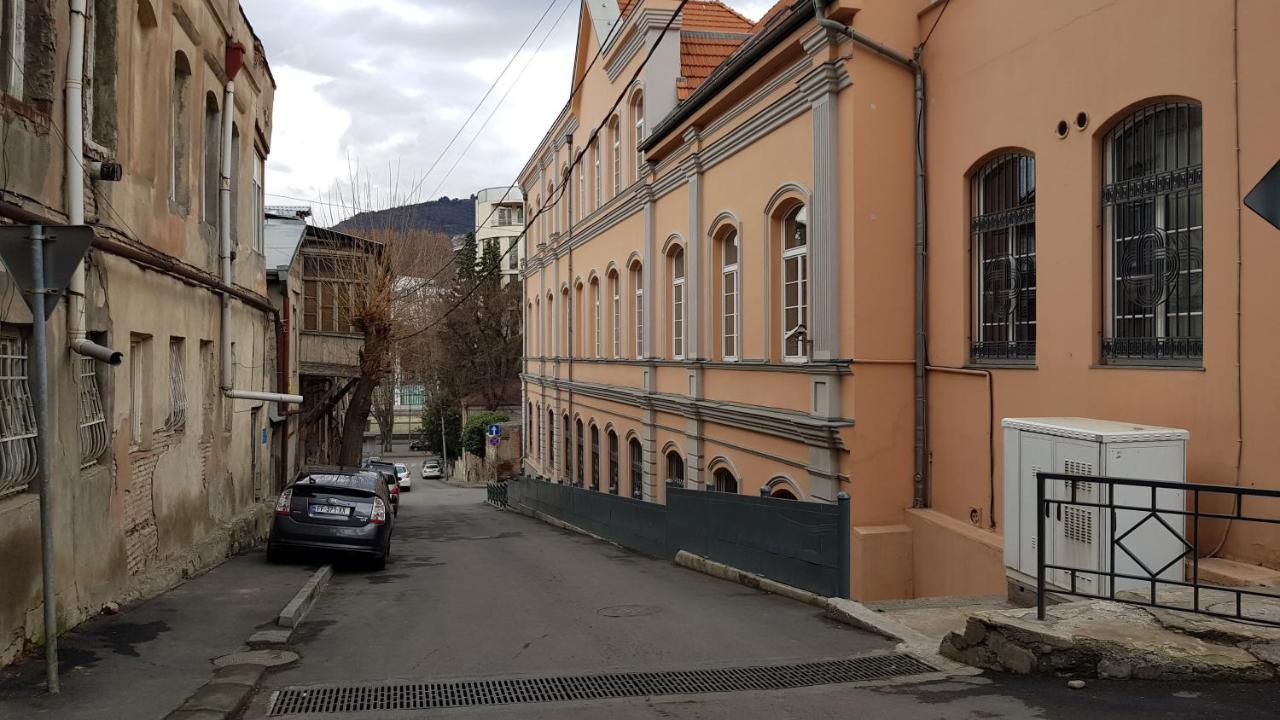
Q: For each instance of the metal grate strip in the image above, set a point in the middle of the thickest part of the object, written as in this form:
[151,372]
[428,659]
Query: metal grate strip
[432,696]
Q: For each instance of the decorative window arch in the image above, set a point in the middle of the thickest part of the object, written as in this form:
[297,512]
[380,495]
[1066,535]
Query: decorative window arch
[1152,214]
[1003,231]
[724,476]
[784,488]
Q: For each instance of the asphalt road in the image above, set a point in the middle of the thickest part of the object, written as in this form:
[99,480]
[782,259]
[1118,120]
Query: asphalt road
[475,593]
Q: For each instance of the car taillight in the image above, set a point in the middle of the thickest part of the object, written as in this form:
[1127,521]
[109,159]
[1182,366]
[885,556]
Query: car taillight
[379,515]
[282,505]
[395,489]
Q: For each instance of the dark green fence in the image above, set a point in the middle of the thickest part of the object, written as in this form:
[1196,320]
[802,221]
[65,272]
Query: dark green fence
[802,544]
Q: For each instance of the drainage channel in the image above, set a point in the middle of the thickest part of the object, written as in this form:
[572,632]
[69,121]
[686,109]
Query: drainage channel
[476,693]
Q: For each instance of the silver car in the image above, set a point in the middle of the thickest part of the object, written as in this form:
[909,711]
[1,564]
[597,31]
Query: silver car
[402,475]
[432,469]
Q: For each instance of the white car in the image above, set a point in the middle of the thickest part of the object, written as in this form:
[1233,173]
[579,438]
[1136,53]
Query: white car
[402,474]
[431,469]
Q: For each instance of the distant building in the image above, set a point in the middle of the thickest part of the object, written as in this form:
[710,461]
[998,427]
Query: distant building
[500,221]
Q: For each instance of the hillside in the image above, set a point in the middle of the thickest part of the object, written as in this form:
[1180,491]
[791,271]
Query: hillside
[451,216]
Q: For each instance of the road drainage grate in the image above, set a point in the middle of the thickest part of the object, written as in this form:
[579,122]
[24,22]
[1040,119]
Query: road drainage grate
[429,696]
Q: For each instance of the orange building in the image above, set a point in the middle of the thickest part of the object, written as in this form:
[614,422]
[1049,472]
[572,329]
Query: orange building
[729,225]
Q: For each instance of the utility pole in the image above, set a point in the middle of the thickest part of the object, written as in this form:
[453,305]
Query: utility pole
[444,443]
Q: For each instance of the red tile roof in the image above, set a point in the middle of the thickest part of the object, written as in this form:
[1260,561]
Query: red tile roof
[698,57]
[713,15]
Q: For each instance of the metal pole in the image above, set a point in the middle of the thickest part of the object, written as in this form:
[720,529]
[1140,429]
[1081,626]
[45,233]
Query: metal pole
[38,333]
[1042,509]
[444,445]
[844,551]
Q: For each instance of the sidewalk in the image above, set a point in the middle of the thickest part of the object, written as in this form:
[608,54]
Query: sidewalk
[142,663]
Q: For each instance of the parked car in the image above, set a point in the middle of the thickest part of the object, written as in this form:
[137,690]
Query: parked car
[388,472]
[346,510]
[402,474]
[418,446]
[432,469]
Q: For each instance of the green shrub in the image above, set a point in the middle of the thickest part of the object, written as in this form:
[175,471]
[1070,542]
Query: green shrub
[473,433]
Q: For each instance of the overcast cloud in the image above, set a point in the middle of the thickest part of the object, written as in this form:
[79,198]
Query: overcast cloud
[382,86]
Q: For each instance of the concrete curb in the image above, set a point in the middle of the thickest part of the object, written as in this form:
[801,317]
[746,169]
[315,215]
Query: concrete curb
[293,614]
[223,697]
[687,559]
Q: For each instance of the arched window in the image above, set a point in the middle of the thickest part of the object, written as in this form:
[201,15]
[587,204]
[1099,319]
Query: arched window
[615,292]
[730,307]
[551,441]
[637,112]
[597,319]
[550,329]
[542,236]
[581,452]
[579,348]
[537,431]
[212,160]
[675,469]
[613,462]
[581,169]
[795,283]
[179,190]
[615,162]
[567,475]
[724,481]
[677,303]
[528,431]
[595,457]
[595,161]
[1154,229]
[782,493]
[637,310]
[637,469]
[1003,228]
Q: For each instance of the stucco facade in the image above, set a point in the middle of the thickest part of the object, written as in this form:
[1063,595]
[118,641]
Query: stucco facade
[156,474]
[756,342]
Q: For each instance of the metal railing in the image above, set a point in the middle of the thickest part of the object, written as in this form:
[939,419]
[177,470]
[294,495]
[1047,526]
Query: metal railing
[497,494]
[18,461]
[1116,510]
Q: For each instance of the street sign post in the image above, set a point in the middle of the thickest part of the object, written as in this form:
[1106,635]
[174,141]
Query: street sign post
[41,260]
[495,430]
[494,441]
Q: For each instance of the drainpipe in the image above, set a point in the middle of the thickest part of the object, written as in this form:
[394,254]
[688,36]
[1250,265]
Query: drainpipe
[73,175]
[920,475]
[234,60]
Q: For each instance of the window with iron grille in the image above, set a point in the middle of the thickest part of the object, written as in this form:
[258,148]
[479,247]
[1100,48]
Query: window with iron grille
[1003,229]
[177,419]
[595,458]
[581,461]
[18,460]
[675,469]
[613,462]
[1153,227]
[93,418]
[723,481]
[637,469]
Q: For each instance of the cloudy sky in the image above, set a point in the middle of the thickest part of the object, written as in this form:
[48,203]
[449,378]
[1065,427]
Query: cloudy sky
[376,89]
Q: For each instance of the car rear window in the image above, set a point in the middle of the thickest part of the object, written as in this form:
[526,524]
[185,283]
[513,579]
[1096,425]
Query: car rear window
[361,481]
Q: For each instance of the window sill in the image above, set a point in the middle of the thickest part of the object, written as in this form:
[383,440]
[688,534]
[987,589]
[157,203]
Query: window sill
[1142,366]
[1000,366]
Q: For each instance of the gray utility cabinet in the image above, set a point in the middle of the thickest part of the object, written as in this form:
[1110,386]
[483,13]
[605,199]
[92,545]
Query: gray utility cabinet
[1080,537]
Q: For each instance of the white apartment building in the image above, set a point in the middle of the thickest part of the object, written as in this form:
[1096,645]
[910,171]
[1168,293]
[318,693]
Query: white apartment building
[500,219]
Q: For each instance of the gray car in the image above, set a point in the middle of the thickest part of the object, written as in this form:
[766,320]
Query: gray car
[343,510]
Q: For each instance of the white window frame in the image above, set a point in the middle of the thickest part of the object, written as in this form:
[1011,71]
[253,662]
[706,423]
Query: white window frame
[799,256]
[14,17]
[616,129]
[730,307]
[598,320]
[259,202]
[581,170]
[617,314]
[677,304]
[638,110]
[639,273]
[595,153]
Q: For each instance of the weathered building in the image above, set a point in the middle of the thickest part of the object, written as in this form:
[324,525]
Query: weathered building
[157,471]
[740,277]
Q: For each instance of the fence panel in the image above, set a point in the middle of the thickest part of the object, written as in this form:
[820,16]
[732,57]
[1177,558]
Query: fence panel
[633,524]
[796,543]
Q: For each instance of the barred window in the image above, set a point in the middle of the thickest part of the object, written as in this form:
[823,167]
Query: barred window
[93,419]
[675,469]
[637,469]
[595,458]
[177,419]
[18,460]
[1153,226]
[1003,228]
[613,462]
[724,481]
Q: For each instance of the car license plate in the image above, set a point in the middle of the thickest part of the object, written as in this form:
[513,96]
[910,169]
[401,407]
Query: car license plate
[337,510]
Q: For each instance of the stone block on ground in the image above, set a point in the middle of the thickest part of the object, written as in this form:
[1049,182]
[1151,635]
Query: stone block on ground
[1097,639]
